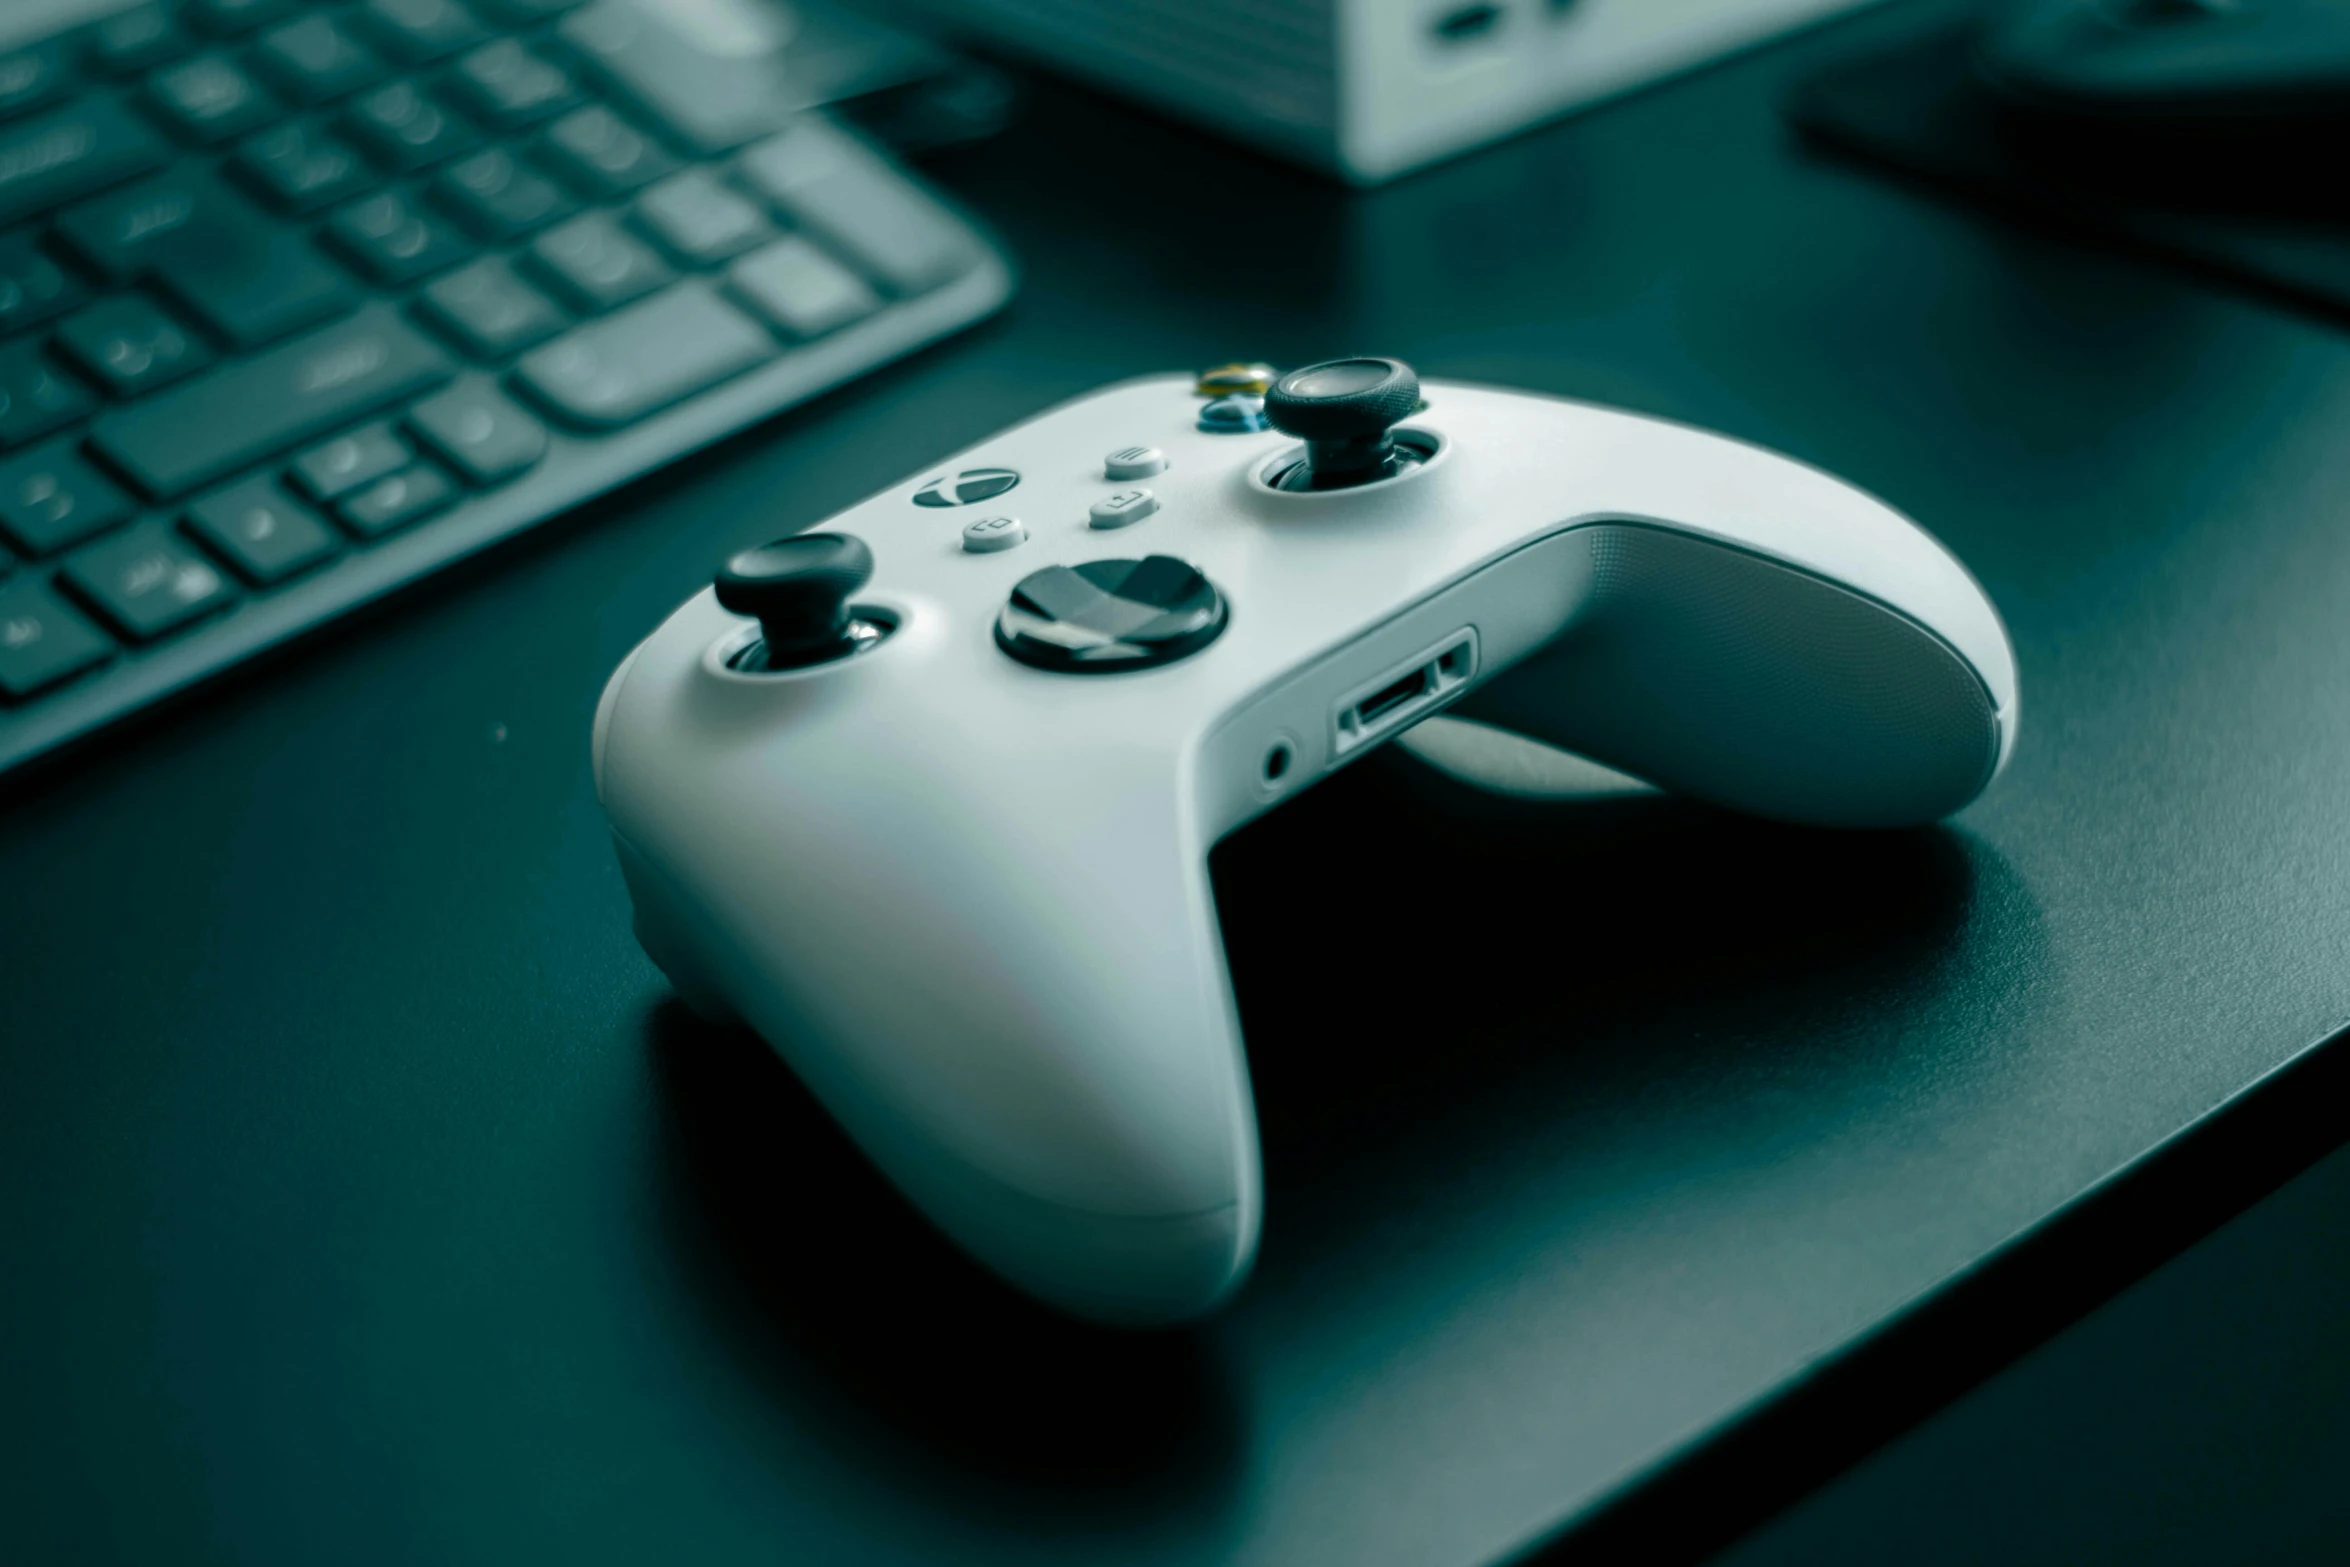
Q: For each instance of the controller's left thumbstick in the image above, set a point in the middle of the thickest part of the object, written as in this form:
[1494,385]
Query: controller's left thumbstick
[799,589]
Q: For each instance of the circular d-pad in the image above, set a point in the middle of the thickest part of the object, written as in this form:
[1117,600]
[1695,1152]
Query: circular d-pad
[1110,615]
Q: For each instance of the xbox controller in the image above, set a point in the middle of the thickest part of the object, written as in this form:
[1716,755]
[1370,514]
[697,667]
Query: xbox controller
[925,797]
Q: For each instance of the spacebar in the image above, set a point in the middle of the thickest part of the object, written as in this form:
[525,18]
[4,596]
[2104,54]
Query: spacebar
[213,426]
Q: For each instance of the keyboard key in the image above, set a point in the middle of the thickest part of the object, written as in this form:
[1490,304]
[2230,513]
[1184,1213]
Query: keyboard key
[264,534]
[234,417]
[826,180]
[422,31]
[129,347]
[603,154]
[491,312]
[506,85]
[499,196]
[700,221]
[226,18]
[32,77]
[132,41]
[147,582]
[479,432]
[300,168]
[35,396]
[329,472]
[801,289]
[32,287]
[410,495]
[240,273]
[595,265]
[316,59]
[711,101]
[53,499]
[615,371]
[43,639]
[68,153]
[406,129]
[209,98]
[393,240]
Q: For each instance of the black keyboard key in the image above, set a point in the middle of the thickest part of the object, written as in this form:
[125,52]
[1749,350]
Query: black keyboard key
[411,495]
[700,221]
[603,154]
[53,499]
[801,289]
[209,98]
[43,639]
[507,85]
[479,431]
[499,196]
[147,582]
[231,419]
[299,168]
[241,273]
[595,265]
[315,59]
[32,287]
[35,396]
[405,128]
[490,312]
[264,534]
[393,240]
[135,40]
[331,471]
[130,347]
[615,371]
[67,153]
[826,180]
[118,235]
[422,31]
[226,18]
[31,77]
[711,101]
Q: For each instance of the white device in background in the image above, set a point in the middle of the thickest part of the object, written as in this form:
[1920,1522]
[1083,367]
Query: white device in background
[1368,89]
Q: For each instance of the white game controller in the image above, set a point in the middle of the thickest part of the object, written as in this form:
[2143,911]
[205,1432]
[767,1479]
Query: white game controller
[926,798]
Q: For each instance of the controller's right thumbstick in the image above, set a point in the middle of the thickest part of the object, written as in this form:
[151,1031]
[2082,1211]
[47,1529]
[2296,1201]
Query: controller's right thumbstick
[1344,410]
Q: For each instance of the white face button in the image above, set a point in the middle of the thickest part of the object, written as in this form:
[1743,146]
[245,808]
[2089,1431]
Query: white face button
[1127,506]
[1134,462]
[990,534]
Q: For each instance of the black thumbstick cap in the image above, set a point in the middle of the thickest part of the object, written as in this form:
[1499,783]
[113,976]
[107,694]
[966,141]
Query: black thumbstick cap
[1343,410]
[799,588]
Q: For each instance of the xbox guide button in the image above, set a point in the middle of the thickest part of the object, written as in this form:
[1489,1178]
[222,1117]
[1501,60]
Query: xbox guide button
[967,488]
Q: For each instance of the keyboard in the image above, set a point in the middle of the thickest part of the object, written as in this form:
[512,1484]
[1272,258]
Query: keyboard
[299,302]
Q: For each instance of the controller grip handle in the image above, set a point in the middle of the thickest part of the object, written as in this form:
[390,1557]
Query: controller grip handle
[1753,685]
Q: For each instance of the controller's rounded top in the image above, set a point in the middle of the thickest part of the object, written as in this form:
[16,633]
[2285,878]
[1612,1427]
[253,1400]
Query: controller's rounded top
[1343,399]
[799,589]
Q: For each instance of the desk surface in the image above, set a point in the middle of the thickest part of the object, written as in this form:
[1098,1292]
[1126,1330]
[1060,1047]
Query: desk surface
[364,1198]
